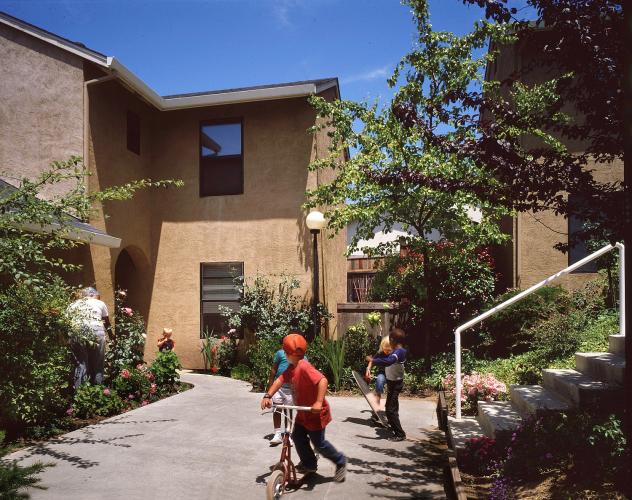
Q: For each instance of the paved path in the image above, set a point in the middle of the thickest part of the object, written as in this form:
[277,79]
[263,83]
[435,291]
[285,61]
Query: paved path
[208,443]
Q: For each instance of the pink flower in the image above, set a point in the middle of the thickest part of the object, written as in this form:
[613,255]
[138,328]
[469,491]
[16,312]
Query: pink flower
[139,366]
[144,403]
[131,396]
[69,411]
[125,373]
[106,392]
[153,389]
[128,311]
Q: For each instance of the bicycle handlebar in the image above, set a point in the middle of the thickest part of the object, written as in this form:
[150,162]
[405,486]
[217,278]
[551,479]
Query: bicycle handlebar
[291,407]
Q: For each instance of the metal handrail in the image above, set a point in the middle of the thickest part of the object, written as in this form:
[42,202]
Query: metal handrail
[529,291]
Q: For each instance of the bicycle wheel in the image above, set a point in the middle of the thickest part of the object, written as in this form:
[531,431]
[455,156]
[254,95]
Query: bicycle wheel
[276,485]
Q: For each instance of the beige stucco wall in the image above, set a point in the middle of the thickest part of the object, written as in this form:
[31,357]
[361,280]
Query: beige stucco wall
[41,107]
[168,233]
[112,164]
[175,230]
[263,227]
[531,257]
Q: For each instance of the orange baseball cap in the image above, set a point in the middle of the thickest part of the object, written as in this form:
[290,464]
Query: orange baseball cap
[295,344]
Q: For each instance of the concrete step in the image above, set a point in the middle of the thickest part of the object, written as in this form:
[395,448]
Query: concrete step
[584,391]
[536,400]
[603,366]
[616,344]
[459,431]
[497,418]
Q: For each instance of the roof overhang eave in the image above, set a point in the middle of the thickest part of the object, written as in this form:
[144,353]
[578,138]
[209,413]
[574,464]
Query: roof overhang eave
[76,234]
[215,99]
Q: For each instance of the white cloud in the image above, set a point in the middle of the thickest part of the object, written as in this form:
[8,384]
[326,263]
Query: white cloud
[374,74]
[282,8]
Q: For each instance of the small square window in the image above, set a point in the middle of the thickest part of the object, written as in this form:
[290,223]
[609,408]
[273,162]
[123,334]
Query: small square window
[221,159]
[133,132]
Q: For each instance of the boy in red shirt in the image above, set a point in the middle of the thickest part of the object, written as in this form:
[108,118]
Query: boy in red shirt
[309,387]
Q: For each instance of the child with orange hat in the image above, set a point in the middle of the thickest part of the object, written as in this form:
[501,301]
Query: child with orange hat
[309,387]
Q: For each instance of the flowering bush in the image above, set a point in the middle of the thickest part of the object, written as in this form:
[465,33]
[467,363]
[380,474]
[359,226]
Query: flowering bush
[478,455]
[475,387]
[95,401]
[127,346]
[134,384]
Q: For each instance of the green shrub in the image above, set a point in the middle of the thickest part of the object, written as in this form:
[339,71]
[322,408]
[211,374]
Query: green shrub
[261,355]
[96,401]
[165,371]
[35,361]
[442,365]
[271,310]
[359,345]
[335,353]
[509,331]
[127,347]
[241,372]
[414,382]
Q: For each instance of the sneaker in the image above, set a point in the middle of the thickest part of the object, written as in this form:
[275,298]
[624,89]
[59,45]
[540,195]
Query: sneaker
[341,473]
[302,469]
[276,439]
[397,438]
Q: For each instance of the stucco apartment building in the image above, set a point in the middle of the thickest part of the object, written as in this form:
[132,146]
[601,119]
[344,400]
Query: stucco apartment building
[531,256]
[242,154]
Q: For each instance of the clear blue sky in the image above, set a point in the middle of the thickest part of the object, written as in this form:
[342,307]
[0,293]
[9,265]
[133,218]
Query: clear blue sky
[179,46]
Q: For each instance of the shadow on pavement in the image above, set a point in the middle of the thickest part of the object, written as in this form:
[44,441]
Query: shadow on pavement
[404,471]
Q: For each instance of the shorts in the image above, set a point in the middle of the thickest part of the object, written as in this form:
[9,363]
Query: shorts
[283,396]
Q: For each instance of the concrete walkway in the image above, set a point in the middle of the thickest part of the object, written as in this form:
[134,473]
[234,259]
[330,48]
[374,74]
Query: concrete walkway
[210,443]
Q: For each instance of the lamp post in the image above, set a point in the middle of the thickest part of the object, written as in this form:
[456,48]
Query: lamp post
[315,222]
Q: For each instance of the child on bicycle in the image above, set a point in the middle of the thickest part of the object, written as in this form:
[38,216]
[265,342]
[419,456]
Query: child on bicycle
[309,388]
[283,396]
[380,377]
[394,369]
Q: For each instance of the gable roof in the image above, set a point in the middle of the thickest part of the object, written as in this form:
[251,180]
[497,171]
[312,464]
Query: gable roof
[178,101]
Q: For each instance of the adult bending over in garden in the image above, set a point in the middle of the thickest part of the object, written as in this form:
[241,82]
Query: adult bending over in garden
[91,315]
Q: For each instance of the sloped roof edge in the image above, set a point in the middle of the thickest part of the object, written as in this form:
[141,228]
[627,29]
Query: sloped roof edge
[181,101]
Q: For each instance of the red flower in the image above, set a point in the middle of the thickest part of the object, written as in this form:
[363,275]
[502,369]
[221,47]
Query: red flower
[214,369]
[125,373]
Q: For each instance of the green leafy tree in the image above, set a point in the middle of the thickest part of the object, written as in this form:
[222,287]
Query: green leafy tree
[379,185]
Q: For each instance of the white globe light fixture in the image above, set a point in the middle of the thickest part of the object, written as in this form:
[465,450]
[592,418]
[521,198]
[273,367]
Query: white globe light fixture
[315,221]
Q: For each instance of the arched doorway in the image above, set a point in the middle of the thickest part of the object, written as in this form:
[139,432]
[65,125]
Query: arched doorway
[131,273]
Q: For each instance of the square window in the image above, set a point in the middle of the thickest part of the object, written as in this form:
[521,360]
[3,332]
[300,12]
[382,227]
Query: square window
[221,158]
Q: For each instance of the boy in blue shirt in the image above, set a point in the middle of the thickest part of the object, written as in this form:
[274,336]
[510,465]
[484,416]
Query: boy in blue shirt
[283,396]
[394,368]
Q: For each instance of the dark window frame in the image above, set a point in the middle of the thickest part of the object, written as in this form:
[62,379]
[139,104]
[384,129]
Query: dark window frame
[220,121]
[133,132]
[202,301]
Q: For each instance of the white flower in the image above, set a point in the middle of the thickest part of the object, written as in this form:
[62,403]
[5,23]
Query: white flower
[144,335]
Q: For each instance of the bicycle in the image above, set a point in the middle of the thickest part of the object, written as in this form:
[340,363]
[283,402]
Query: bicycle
[284,471]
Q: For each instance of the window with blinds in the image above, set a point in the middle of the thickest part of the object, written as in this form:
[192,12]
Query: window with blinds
[218,288]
